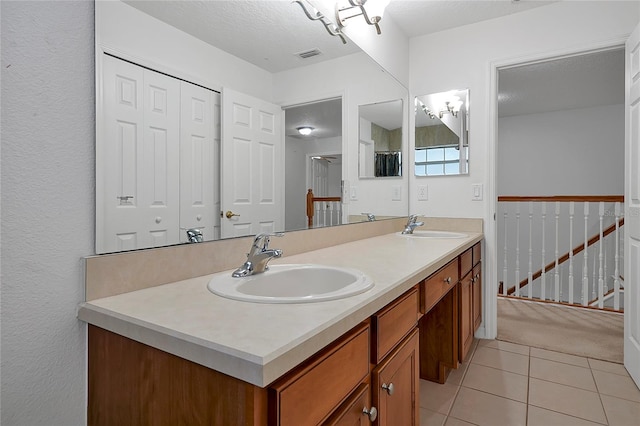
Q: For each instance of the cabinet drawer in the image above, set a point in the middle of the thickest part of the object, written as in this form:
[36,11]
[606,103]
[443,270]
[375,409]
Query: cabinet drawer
[311,393]
[438,284]
[352,411]
[394,322]
[477,253]
[466,262]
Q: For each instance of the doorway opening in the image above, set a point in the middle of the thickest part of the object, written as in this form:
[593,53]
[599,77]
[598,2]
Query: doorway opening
[560,187]
[314,160]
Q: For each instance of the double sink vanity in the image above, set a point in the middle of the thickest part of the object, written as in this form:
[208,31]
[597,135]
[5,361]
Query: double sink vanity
[370,315]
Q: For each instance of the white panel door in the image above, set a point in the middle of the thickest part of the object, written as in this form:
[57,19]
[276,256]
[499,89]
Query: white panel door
[632,216]
[197,161]
[320,177]
[137,159]
[252,166]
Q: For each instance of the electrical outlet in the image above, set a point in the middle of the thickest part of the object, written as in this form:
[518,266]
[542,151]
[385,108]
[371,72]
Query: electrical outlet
[476,192]
[423,193]
[396,193]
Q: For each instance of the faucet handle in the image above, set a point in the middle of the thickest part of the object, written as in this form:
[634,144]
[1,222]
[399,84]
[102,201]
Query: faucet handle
[265,237]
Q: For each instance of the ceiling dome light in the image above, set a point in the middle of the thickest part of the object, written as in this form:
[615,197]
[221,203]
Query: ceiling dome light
[305,130]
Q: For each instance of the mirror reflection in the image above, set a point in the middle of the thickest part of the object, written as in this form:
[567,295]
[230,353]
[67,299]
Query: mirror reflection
[380,139]
[174,163]
[442,133]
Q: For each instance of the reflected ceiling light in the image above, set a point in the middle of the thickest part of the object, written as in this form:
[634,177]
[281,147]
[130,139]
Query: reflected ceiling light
[452,106]
[371,10]
[305,130]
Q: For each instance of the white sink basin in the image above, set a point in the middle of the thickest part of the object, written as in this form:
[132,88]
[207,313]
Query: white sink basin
[435,234]
[292,284]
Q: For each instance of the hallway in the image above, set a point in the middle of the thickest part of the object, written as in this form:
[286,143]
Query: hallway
[508,384]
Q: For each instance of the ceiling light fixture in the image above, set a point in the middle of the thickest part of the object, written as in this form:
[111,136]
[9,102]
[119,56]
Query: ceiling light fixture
[305,130]
[371,10]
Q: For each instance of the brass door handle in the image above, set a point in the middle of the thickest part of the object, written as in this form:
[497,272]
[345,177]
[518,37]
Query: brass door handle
[229,214]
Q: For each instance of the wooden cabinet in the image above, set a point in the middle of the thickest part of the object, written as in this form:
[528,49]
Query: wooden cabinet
[310,393]
[470,289]
[333,388]
[396,385]
[439,326]
[356,410]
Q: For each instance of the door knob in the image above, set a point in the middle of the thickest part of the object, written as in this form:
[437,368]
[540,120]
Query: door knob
[229,214]
[371,413]
[388,387]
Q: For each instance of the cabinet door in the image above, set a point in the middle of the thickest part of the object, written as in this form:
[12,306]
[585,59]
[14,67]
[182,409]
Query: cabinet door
[355,411]
[396,385]
[466,316]
[477,296]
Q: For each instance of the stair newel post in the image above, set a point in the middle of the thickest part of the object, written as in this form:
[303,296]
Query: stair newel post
[530,274]
[616,273]
[505,272]
[571,214]
[585,266]
[543,293]
[601,258]
[557,254]
[517,280]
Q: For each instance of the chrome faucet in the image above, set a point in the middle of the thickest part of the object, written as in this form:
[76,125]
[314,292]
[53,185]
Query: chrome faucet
[370,217]
[194,235]
[259,255]
[412,224]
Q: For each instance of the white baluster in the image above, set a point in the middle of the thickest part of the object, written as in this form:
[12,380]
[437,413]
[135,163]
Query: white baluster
[601,259]
[616,273]
[505,272]
[517,280]
[571,213]
[543,282]
[557,272]
[585,269]
[530,274]
[594,284]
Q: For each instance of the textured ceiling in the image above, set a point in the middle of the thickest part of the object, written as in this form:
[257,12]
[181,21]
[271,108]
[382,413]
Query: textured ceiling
[582,81]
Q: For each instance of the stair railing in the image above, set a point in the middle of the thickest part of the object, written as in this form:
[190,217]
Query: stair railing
[556,280]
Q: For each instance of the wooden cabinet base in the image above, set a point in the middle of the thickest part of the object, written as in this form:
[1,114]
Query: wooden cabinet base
[439,339]
[134,384]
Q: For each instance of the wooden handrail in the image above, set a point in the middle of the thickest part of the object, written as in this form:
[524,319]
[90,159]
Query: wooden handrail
[564,198]
[310,200]
[565,256]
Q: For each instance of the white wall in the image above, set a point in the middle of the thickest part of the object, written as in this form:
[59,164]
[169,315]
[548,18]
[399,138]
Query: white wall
[546,31]
[47,208]
[571,152]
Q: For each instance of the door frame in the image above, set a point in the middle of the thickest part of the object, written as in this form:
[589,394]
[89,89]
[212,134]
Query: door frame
[490,321]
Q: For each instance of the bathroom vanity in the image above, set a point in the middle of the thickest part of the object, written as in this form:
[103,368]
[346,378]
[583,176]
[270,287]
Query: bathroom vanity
[178,354]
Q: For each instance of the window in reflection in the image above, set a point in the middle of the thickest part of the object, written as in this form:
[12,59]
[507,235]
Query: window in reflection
[438,160]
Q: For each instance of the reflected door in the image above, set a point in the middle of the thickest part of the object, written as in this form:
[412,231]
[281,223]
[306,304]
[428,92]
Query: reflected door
[252,166]
[137,159]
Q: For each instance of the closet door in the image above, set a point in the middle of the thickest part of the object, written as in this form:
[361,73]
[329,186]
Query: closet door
[198,181]
[137,158]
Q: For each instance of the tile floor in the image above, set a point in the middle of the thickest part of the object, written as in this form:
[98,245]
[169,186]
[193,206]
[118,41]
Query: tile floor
[506,384]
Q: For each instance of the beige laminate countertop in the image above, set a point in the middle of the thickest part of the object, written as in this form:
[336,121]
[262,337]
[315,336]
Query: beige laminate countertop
[258,342]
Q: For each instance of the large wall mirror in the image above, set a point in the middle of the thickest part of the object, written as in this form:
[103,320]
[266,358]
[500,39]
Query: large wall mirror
[179,82]
[380,139]
[442,133]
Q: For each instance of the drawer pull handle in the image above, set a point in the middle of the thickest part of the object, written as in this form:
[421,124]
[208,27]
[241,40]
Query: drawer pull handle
[371,413]
[388,387]
[447,280]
